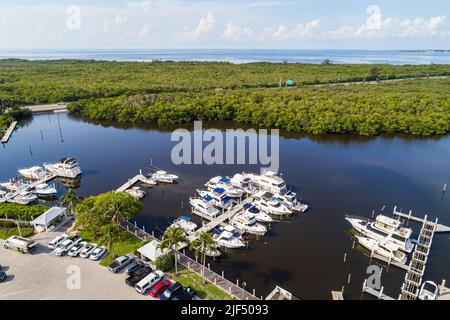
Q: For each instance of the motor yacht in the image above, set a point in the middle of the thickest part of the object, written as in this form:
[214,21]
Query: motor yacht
[15,185]
[33,173]
[264,201]
[383,248]
[246,222]
[185,223]
[66,168]
[217,197]
[244,182]
[24,198]
[204,207]
[384,229]
[269,181]
[228,237]
[225,183]
[259,215]
[164,177]
[43,190]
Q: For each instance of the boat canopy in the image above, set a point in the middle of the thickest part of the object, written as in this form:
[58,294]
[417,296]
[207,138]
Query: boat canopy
[185,218]
[226,199]
[216,231]
[219,190]
[248,206]
[207,198]
[224,180]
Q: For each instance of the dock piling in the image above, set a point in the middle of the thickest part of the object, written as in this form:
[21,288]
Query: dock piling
[349,278]
[345,257]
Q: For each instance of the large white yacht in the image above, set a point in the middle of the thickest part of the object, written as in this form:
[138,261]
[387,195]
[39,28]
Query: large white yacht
[386,249]
[217,197]
[244,181]
[66,168]
[246,222]
[164,177]
[264,201]
[384,229]
[45,191]
[33,173]
[204,207]
[185,223]
[289,199]
[225,183]
[269,181]
[228,237]
[259,215]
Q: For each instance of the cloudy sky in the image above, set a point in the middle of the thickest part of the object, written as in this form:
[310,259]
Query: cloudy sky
[302,24]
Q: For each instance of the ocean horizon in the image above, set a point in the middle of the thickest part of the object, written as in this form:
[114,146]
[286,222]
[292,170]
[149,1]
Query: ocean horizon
[239,56]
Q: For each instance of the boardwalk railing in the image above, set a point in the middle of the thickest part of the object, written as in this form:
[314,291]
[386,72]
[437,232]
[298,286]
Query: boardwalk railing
[231,288]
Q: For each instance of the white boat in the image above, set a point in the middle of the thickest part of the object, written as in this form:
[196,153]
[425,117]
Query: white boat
[33,173]
[384,229]
[164,177]
[244,181]
[269,181]
[225,183]
[15,185]
[259,215]
[136,192]
[185,223]
[217,197]
[3,196]
[213,252]
[228,237]
[264,201]
[204,207]
[428,291]
[45,191]
[24,198]
[291,202]
[383,248]
[66,168]
[246,222]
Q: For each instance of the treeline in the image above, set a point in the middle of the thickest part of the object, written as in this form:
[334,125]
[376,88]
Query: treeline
[14,114]
[416,107]
[33,82]
[24,213]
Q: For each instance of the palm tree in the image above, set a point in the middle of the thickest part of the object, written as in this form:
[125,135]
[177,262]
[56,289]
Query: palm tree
[121,207]
[172,238]
[70,199]
[201,245]
[109,237]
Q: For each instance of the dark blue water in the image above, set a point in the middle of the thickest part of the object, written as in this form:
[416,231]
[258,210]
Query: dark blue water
[395,57]
[336,175]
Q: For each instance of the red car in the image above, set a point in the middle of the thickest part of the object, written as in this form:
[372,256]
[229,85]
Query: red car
[159,288]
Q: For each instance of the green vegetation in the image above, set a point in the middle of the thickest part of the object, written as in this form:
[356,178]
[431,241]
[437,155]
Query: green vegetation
[127,244]
[9,228]
[204,291]
[24,213]
[165,262]
[70,199]
[14,114]
[172,238]
[100,215]
[201,245]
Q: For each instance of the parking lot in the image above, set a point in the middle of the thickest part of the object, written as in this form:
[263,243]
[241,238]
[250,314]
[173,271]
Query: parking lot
[45,276]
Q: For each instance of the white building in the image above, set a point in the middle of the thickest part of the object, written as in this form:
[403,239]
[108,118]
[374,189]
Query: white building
[50,219]
[151,251]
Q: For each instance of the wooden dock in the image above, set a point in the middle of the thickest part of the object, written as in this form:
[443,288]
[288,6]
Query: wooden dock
[10,196]
[9,132]
[439,227]
[377,294]
[231,288]
[337,295]
[47,108]
[131,182]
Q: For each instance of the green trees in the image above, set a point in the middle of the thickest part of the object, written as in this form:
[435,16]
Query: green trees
[172,239]
[201,246]
[70,199]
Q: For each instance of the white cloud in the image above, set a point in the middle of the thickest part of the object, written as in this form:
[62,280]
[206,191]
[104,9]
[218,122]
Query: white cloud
[205,24]
[420,27]
[299,31]
[236,33]
[144,5]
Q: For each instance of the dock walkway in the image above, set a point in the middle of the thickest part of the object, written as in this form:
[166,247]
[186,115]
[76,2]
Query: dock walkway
[439,227]
[221,282]
[131,182]
[9,132]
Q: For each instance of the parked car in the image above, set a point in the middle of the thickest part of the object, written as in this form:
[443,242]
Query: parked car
[87,250]
[149,281]
[133,266]
[98,253]
[138,275]
[76,239]
[76,249]
[55,241]
[3,276]
[120,263]
[171,291]
[64,247]
[159,288]
[185,294]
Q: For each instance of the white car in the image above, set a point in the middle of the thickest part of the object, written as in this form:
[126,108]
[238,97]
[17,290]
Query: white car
[64,247]
[98,253]
[54,242]
[149,281]
[76,249]
[87,250]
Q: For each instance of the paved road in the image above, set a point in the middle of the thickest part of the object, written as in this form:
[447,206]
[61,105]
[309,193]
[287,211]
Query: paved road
[44,276]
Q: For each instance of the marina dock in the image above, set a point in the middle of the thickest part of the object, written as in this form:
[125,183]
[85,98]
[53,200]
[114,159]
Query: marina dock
[47,108]
[377,294]
[131,182]
[9,132]
[47,178]
[439,227]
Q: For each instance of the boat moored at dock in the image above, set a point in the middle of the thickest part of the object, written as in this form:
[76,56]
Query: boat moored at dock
[66,168]
[259,215]
[217,197]
[164,177]
[383,248]
[228,237]
[204,207]
[246,223]
[43,190]
[33,173]
[225,184]
[269,181]
[185,223]
[264,201]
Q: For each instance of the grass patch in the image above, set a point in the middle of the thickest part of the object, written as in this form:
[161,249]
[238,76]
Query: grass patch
[205,292]
[5,233]
[128,244]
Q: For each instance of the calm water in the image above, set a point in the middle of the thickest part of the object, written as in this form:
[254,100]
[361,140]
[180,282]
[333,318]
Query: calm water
[336,175]
[395,57]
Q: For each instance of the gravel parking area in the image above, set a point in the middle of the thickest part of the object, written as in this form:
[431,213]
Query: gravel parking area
[45,276]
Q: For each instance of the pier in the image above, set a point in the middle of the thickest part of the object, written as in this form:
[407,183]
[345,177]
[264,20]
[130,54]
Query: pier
[439,227]
[131,182]
[10,196]
[48,108]
[374,292]
[9,132]
[231,288]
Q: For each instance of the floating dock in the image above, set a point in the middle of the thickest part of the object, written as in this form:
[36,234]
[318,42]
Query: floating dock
[377,294]
[48,108]
[9,132]
[131,182]
[439,227]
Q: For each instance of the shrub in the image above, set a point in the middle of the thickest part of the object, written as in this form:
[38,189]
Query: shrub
[165,262]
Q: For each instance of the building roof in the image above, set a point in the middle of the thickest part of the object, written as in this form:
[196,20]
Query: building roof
[48,216]
[151,250]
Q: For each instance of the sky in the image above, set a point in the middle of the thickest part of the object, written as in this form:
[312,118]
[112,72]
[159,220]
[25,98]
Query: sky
[286,24]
